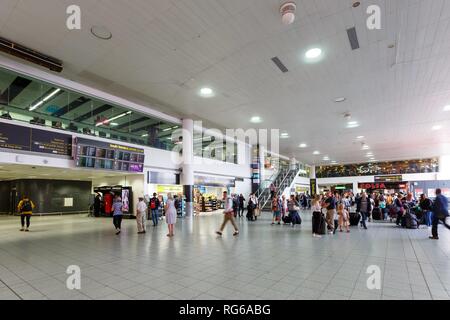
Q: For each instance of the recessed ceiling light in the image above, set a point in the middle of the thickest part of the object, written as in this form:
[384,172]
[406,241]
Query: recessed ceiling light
[447,108]
[206,92]
[360,137]
[313,53]
[101,32]
[326,158]
[316,153]
[437,127]
[303,145]
[144,135]
[256,119]
[365,147]
[340,99]
[352,124]
[284,135]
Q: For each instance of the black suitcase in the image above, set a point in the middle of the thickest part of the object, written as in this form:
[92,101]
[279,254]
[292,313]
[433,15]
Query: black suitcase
[354,218]
[376,214]
[287,219]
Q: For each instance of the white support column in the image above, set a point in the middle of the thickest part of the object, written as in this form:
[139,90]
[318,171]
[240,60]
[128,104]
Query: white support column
[187,176]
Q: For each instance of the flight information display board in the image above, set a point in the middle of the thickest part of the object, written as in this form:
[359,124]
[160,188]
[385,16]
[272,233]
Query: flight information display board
[34,140]
[108,156]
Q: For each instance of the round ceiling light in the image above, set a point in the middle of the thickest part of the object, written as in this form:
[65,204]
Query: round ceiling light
[360,137]
[340,99]
[101,32]
[256,119]
[313,53]
[206,92]
[303,145]
[316,153]
[437,127]
[447,108]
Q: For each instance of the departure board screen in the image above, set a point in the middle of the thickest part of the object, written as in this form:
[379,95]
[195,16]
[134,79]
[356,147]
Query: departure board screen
[34,140]
[108,156]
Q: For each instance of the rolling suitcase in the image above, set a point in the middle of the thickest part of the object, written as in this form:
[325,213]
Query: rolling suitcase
[376,214]
[354,218]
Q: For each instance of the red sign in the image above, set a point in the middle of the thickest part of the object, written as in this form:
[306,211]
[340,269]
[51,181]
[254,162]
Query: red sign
[372,186]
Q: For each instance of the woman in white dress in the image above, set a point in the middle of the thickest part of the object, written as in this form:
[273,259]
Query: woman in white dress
[171,214]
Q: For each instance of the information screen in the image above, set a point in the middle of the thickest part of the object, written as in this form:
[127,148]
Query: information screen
[35,140]
[108,156]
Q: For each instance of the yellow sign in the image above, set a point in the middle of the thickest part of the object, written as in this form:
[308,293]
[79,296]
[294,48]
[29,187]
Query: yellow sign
[301,189]
[175,189]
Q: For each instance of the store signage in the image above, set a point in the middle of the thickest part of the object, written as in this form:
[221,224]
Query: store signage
[213,181]
[174,189]
[418,192]
[34,140]
[394,178]
[340,188]
[382,185]
[313,186]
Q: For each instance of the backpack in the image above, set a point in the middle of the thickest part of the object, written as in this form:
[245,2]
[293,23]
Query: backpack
[153,204]
[26,206]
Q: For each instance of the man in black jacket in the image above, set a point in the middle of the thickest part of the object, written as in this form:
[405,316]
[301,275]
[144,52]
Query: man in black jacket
[241,205]
[154,209]
[364,207]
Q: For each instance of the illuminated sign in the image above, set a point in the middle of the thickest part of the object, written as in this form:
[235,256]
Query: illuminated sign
[175,189]
[382,185]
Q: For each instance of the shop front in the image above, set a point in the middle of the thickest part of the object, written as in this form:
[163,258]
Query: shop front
[384,187]
[336,188]
[208,192]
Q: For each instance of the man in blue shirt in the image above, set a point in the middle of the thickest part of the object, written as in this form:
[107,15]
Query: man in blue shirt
[440,212]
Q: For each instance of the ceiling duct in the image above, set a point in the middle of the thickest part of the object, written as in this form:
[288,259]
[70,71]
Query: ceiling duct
[353,38]
[30,55]
[280,64]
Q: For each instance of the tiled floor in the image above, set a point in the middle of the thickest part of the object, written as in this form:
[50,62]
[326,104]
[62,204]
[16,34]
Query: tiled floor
[264,262]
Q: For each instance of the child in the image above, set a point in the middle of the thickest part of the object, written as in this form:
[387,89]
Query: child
[276,209]
[343,218]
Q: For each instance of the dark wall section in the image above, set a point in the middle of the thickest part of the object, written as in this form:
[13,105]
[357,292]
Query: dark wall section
[5,189]
[49,195]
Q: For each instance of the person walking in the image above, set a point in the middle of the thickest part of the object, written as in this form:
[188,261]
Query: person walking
[171,214]
[228,215]
[141,212]
[330,205]
[316,217]
[154,205]
[276,210]
[364,207]
[440,213]
[294,207]
[117,214]
[251,207]
[284,209]
[241,205]
[25,208]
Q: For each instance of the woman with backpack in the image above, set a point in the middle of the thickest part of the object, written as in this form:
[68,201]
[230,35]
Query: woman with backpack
[25,208]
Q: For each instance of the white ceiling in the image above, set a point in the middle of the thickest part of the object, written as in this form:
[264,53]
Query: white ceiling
[164,51]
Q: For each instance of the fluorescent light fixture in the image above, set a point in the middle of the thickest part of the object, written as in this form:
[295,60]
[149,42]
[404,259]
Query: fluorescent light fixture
[340,99]
[333,162]
[352,124]
[447,108]
[284,135]
[436,127]
[114,124]
[167,129]
[114,118]
[38,104]
[313,53]
[316,153]
[365,147]
[303,145]
[256,119]
[326,158]
[144,135]
[206,92]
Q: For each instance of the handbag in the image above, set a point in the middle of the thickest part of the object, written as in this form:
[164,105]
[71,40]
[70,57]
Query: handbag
[257,212]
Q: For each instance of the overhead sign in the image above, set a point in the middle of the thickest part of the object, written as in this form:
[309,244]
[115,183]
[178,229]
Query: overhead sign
[34,140]
[213,181]
[393,178]
[382,185]
[313,186]
[174,189]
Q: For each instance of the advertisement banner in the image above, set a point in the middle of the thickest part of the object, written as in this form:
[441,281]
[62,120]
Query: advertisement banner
[313,186]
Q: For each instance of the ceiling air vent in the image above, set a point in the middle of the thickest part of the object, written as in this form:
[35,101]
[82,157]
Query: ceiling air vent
[280,64]
[353,38]
[30,55]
